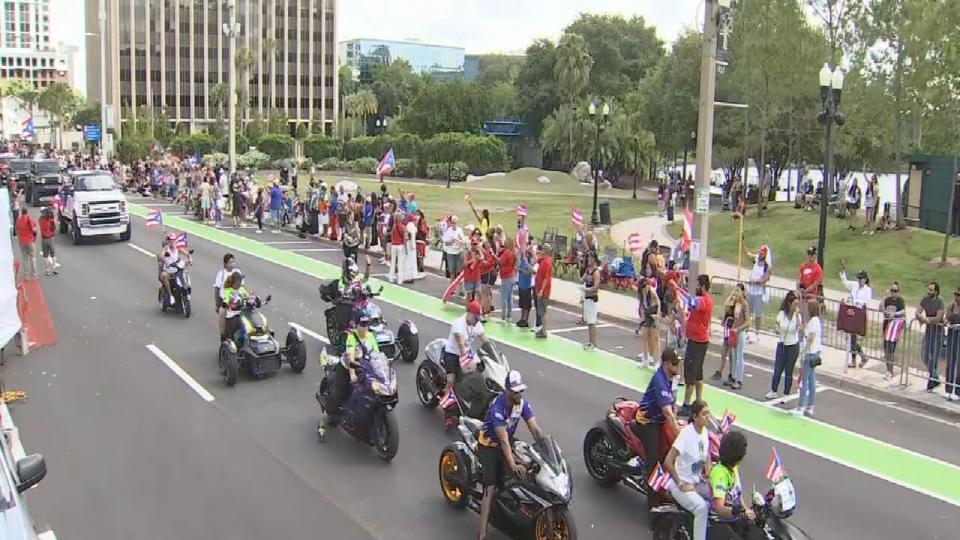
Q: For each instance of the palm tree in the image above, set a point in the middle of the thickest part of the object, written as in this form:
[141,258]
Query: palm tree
[218,99]
[572,70]
[270,50]
[244,61]
[361,104]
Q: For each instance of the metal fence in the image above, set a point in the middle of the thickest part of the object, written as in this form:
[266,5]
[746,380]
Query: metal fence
[931,352]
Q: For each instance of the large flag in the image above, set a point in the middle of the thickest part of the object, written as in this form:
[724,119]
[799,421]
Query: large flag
[522,210]
[452,288]
[775,470]
[387,164]
[27,129]
[577,217]
[181,241]
[154,219]
[687,229]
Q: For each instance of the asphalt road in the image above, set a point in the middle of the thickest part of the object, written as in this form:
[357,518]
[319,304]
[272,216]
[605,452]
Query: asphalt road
[135,453]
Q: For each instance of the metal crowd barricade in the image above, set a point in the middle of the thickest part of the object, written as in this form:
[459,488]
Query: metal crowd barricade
[871,345]
[929,351]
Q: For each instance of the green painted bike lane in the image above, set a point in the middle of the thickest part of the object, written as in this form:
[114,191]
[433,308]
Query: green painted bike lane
[897,465]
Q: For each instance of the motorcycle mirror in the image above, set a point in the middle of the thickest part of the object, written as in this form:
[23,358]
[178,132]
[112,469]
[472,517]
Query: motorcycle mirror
[758,499]
[190,251]
[380,290]
[269,296]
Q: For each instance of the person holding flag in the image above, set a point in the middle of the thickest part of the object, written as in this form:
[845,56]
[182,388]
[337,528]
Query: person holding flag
[387,165]
[688,462]
[169,256]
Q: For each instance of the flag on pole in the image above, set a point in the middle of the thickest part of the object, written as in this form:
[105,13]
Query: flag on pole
[635,241]
[387,164]
[154,219]
[894,328]
[659,479]
[452,288]
[577,217]
[714,445]
[727,422]
[687,229]
[775,470]
[522,210]
[181,241]
[448,400]
[27,129]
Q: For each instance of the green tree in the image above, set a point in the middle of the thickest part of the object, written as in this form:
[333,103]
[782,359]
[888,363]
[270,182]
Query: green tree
[503,100]
[347,84]
[445,107]
[394,85]
[23,92]
[86,116]
[498,68]
[61,102]
[362,104]
[572,71]
[270,54]
[537,92]
[244,61]
[276,145]
[278,122]
[219,94]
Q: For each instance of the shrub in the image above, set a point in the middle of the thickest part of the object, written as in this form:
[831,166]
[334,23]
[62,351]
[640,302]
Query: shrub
[367,165]
[254,159]
[217,158]
[331,164]
[482,153]
[197,143]
[358,147]
[133,148]
[276,145]
[243,144]
[439,170]
[319,147]
[406,168]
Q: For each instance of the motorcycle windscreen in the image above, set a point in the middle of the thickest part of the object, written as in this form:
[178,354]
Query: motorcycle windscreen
[550,452]
[378,367]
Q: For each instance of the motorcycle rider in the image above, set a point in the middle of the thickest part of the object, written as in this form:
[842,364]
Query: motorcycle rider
[495,443]
[688,463]
[459,350]
[168,257]
[657,408]
[360,344]
[735,518]
[235,296]
[229,265]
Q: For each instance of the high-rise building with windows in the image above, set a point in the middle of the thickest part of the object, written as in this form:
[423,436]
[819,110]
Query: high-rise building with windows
[438,61]
[25,48]
[172,55]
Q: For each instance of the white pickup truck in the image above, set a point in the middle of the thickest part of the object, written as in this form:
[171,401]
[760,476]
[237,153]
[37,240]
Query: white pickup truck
[94,206]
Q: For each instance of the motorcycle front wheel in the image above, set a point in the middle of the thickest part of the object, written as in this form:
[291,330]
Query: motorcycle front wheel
[185,305]
[597,447]
[229,365]
[386,435]
[555,524]
[425,386]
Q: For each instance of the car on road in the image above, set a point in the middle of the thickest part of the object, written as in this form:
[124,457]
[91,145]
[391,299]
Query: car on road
[17,476]
[44,180]
[94,206]
[20,170]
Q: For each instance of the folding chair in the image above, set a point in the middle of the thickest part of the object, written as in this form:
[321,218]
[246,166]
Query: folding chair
[559,251]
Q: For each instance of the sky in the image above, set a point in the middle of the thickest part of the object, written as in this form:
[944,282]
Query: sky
[505,26]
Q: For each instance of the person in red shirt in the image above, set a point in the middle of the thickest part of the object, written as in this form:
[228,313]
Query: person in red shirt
[488,276]
[544,280]
[698,339]
[472,271]
[508,278]
[48,229]
[811,280]
[398,232]
[27,234]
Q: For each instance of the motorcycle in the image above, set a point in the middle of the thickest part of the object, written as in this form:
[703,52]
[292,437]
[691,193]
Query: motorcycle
[255,349]
[349,305]
[672,522]
[367,414]
[180,288]
[533,506]
[481,382]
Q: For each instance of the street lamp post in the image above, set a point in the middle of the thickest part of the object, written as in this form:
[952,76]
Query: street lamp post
[102,17]
[604,114]
[693,138]
[381,125]
[831,86]
[231,29]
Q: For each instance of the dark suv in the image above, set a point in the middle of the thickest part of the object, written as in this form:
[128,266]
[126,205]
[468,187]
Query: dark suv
[44,181]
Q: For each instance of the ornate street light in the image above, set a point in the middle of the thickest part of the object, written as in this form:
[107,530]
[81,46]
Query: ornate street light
[831,87]
[604,115]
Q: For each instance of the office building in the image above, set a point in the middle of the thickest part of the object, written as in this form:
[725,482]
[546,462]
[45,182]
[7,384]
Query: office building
[172,55]
[438,61]
[25,48]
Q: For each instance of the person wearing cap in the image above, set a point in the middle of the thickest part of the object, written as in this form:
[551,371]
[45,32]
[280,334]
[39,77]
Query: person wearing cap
[657,408]
[860,296]
[495,443]
[360,344]
[811,279]
[459,349]
[757,294]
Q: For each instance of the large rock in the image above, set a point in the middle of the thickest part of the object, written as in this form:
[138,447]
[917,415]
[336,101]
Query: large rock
[543,179]
[582,172]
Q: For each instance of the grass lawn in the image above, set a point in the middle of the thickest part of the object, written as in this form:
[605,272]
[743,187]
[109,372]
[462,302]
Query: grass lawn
[910,256]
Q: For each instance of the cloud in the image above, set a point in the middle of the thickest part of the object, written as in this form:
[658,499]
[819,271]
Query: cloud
[499,25]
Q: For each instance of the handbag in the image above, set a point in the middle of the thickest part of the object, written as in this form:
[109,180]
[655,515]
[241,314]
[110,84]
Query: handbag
[852,319]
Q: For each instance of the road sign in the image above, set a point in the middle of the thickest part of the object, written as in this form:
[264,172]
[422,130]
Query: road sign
[702,198]
[92,133]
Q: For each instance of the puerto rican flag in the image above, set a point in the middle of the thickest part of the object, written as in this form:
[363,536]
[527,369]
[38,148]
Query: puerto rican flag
[715,436]
[27,129]
[659,479]
[453,287]
[181,241]
[687,229]
[577,217]
[893,331]
[57,202]
[154,219]
[775,470]
[448,400]
[635,242]
[387,164]
[522,210]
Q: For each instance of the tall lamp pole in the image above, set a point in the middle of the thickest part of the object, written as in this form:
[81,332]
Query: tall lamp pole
[604,114]
[231,29]
[831,87]
[102,16]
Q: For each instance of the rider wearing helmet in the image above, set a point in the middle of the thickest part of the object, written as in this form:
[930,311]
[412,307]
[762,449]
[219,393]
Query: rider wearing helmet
[360,344]
[167,258]
[495,443]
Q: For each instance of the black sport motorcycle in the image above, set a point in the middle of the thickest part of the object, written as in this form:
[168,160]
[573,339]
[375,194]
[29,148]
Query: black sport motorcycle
[254,347]
[533,506]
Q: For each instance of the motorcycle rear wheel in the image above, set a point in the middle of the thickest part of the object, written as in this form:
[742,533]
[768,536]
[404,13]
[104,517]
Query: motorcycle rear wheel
[386,435]
[563,525]
[185,305]
[670,527]
[229,366]
[425,392]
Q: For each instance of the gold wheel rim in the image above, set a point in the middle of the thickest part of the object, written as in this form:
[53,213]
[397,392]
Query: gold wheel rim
[448,468]
[560,531]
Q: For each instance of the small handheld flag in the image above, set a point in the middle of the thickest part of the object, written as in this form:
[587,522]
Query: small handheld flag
[577,217]
[775,470]
[659,479]
[522,210]
[448,400]
[180,241]
[154,219]
[894,328]
[387,164]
